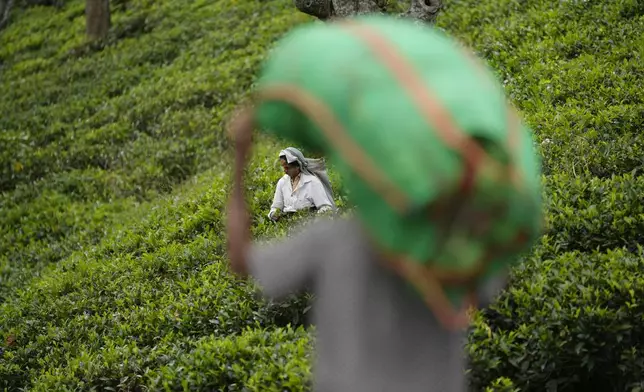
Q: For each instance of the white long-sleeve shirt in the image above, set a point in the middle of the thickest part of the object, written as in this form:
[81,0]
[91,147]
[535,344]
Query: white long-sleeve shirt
[309,192]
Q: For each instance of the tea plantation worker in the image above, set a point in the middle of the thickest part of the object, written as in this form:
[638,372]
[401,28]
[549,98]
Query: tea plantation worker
[446,183]
[305,185]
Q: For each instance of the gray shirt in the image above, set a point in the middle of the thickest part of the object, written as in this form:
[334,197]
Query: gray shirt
[373,333]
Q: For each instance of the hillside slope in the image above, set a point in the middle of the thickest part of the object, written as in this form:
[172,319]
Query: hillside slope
[113,173]
[91,132]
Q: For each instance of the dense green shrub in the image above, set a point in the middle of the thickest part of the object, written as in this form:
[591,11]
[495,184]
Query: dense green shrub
[93,137]
[89,133]
[568,323]
[113,182]
[587,213]
[574,68]
[570,320]
[257,360]
[165,278]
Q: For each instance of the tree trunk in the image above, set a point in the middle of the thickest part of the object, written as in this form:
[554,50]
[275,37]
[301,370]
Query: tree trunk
[5,12]
[97,14]
[421,10]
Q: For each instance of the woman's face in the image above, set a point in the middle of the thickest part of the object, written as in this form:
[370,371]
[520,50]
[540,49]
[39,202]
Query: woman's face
[291,169]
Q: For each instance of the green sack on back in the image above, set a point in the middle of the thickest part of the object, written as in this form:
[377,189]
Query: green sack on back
[441,169]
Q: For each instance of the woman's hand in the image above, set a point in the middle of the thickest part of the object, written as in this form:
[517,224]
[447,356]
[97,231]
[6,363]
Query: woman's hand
[273,215]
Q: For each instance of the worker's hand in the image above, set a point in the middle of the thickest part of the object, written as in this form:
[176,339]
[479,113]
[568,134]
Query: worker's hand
[324,209]
[273,215]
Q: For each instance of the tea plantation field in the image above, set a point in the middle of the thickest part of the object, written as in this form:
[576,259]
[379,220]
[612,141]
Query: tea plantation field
[114,173]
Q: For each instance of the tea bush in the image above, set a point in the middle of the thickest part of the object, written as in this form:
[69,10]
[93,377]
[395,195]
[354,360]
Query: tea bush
[573,68]
[114,176]
[569,322]
[589,213]
[96,131]
[163,281]
[570,319]
[278,360]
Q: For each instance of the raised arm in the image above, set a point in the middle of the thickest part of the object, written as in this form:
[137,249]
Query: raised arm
[238,219]
[281,267]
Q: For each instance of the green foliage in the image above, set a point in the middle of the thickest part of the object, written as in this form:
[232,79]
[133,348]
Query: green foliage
[570,318]
[113,186]
[162,281]
[89,133]
[574,69]
[111,249]
[568,322]
[279,360]
[501,384]
[255,360]
[589,213]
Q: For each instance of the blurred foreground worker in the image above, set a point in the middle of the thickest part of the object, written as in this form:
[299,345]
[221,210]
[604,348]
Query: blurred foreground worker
[446,184]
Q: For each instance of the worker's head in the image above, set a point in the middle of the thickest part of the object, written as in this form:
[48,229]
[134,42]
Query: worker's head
[292,169]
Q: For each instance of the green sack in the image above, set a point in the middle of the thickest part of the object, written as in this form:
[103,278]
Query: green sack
[441,169]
